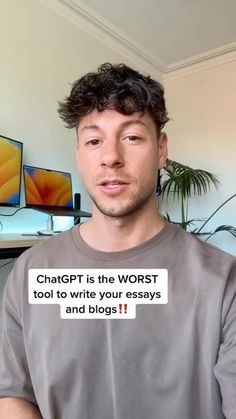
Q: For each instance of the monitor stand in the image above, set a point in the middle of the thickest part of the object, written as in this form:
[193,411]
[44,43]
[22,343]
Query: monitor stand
[50,225]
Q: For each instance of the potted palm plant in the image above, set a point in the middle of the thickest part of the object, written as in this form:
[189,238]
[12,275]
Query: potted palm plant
[182,182]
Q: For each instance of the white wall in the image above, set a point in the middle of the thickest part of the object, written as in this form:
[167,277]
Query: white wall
[202,134]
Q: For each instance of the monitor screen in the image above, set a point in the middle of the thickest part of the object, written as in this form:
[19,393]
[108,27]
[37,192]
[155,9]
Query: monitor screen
[47,188]
[10,171]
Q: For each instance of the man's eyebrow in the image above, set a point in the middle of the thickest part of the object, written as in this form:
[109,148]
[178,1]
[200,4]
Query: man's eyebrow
[87,127]
[123,125]
[126,124]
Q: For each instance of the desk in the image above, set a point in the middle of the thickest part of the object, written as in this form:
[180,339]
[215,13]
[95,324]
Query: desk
[12,245]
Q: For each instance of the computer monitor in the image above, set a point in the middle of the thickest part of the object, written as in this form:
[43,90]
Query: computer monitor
[47,189]
[11,152]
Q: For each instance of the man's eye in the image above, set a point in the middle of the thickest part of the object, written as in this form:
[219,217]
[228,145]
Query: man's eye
[132,138]
[93,142]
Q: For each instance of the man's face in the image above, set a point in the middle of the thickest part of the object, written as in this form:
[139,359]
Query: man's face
[118,157]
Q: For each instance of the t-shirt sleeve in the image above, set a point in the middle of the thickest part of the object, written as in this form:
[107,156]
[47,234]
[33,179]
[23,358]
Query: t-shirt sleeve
[15,378]
[225,368]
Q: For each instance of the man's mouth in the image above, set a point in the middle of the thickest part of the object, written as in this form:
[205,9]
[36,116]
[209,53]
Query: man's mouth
[112,183]
[113,186]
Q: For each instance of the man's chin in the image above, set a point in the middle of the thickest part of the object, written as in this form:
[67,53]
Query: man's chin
[116,214]
[121,208]
[122,212]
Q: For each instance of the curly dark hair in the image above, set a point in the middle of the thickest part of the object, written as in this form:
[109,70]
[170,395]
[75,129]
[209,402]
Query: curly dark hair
[117,87]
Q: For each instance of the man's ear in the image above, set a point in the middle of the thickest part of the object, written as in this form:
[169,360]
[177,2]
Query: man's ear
[162,150]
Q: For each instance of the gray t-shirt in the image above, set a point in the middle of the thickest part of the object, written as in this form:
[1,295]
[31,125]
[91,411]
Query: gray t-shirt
[174,361]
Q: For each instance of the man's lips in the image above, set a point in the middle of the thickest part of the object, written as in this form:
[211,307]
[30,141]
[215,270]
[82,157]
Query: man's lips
[112,187]
[112,182]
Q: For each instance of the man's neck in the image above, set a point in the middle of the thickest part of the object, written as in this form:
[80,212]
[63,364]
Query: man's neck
[115,234]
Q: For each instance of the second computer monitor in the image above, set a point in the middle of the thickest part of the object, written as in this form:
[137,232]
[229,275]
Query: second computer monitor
[46,188]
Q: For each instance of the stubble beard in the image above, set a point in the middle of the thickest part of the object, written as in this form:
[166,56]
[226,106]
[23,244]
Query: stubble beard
[135,204]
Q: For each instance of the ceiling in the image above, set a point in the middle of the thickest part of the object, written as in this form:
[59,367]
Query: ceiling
[169,33]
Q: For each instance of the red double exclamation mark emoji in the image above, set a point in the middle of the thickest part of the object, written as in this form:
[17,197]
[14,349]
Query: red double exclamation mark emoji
[125,308]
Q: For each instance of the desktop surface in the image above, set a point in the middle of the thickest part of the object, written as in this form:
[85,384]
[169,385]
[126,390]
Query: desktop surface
[13,244]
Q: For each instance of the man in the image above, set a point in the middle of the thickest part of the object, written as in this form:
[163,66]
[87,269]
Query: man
[172,361]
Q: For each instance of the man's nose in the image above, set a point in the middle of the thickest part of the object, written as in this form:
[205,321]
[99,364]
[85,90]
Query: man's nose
[112,155]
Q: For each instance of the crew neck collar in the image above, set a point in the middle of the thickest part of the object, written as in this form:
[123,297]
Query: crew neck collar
[89,251]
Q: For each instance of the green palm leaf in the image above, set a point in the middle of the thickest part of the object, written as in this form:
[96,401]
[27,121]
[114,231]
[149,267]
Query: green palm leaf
[183,181]
[230,229]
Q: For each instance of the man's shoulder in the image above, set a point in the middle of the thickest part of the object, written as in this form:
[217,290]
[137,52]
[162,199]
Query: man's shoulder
[53,252]
[53,248]
[193,248]
[206,247]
